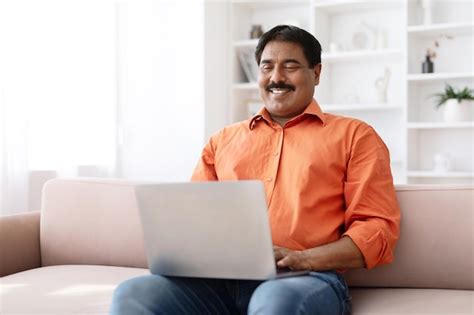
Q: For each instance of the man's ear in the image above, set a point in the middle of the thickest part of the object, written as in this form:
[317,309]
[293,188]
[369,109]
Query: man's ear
[317,73]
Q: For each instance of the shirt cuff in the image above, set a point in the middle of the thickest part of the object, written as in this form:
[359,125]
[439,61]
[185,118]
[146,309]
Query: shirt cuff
[372,243]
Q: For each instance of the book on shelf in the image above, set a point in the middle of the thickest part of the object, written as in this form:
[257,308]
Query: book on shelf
[248,64]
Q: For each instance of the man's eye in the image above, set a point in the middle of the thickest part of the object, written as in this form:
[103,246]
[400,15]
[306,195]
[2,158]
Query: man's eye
[265,68]
[292,67]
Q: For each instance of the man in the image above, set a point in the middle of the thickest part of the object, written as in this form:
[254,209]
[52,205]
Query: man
[330,194]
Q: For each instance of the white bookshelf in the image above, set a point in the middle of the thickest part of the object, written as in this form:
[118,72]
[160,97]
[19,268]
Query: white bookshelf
[359,107]
[250,86]
[452,29]
[439,76]
[344,6]
[441,125]
[432,174]
[407,120]
[250,43]
[363,55]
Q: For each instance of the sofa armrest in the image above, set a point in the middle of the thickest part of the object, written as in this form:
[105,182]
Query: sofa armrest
[19,242]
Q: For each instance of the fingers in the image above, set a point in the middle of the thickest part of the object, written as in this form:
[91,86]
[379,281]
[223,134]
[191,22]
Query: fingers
[294,261]
[280,252]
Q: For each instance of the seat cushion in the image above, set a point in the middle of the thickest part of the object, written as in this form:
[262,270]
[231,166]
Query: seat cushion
[411,301]
[64,289]
[71,289]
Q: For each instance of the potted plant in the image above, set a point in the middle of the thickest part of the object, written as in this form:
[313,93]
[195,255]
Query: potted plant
[458,104]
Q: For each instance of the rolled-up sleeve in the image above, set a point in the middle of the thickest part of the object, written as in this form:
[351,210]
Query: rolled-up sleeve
[372,217]
[205,169]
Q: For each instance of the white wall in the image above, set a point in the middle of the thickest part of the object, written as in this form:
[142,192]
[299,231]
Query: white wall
[217,60]
[161,98]
[57,93]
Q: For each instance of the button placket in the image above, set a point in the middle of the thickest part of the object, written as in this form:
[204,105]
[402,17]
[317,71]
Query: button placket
[275,164]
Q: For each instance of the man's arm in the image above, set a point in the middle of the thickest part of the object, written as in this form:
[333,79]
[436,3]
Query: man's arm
[341,254]
[372,215]
[205,169]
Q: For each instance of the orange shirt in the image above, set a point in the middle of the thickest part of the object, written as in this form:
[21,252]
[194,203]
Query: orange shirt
[325,176]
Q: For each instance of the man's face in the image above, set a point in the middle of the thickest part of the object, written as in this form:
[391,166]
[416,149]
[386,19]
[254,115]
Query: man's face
[285,79]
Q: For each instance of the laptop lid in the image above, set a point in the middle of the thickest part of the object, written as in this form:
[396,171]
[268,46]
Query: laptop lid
[207,229]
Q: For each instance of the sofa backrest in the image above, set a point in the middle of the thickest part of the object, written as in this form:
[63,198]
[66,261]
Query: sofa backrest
[96,221]
[91,221]
[435,249]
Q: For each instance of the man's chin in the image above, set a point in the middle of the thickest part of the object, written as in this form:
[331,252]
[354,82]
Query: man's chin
[277,110]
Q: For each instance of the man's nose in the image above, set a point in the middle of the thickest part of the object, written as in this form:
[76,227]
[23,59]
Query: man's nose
[277,75]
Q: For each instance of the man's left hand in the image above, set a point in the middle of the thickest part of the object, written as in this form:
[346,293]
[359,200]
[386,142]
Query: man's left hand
[341,254]
[287,258]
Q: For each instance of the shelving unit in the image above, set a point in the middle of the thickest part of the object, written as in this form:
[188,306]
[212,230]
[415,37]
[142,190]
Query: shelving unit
[439,76]
[452,29]
[432,174]
[358,107]
[365,41]
[440,125]
[252,86]
[363,55]
[428,135]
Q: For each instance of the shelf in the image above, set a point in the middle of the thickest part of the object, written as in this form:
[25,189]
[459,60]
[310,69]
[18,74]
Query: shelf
[452,29]
[345,6]
[245,86]
[373,55]
[269,4]
[423,77]
[246,43]
[358,107]
[412,129]
[433,174]
[441,125]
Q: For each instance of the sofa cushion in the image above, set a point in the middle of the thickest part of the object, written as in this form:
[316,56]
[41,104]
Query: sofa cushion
[435,249]
[86,289]
[66,289]
[91,222]
[411,301]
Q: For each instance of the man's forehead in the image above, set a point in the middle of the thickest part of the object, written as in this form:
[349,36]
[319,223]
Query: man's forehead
[283,51]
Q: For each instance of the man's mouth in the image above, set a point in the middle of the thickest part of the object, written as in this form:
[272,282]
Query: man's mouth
[279,90]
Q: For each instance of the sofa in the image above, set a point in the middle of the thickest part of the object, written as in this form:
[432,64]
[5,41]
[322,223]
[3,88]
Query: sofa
[68,258]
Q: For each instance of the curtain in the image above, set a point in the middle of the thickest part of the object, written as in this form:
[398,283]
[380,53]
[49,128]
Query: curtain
[57,95]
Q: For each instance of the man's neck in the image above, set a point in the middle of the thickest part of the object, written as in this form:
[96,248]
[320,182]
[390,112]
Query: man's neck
[280,120]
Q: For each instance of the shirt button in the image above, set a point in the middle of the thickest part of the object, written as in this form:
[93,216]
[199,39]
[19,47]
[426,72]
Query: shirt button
[269,179]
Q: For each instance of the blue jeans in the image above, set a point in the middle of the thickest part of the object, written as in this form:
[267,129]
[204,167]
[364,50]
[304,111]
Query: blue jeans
[324,293]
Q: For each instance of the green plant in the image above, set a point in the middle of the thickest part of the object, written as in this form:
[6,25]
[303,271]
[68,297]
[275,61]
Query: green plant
[450,93]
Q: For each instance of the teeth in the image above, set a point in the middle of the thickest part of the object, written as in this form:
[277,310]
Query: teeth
[278,91]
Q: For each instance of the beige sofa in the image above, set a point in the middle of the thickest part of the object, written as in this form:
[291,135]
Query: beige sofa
[88,239]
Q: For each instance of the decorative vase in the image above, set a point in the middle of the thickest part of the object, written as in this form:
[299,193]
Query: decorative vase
[427,66]
[256,31]
[455,111]
[442,163]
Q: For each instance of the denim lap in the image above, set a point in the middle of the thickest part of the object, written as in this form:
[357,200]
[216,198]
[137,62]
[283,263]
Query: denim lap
[324,293]
[154,294]
[317,293]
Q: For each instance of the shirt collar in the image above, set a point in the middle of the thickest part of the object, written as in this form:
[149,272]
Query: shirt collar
[313,109]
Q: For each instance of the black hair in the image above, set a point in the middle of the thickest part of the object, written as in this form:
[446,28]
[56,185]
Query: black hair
[288,33]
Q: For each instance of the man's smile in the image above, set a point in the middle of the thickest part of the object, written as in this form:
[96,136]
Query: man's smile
[280,89]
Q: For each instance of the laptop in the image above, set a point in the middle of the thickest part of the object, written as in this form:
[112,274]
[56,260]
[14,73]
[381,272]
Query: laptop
[217,229]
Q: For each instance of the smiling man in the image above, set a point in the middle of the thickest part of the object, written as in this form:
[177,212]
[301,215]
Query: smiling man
[329,188]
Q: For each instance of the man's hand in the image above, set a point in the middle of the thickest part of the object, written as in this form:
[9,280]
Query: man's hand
[295,260]
[341,254]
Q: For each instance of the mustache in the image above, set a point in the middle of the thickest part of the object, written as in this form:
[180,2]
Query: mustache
[279,85]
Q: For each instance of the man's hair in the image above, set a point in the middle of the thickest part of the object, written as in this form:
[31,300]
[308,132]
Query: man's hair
[288,33]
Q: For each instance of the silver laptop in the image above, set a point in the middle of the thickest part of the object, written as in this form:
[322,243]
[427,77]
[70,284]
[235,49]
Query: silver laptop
[208,230]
